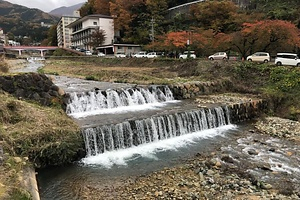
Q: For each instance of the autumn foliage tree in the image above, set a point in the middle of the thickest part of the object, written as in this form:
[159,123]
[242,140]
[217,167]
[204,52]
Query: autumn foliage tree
[269,35]
[102,7]
[179,41]
[217,15]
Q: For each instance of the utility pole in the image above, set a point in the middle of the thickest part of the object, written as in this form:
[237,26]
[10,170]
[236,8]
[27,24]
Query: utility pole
[152,32]
[152,29]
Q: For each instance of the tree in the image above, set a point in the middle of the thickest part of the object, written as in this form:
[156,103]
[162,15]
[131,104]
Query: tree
[102,7]
[268,35]
[179,41]
[52,36]
[87,8]
[97,38]
[129,19]
[122,16]
[217,15]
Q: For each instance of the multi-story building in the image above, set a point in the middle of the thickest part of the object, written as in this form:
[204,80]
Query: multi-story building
[83,28]
[63,32]
[3,38]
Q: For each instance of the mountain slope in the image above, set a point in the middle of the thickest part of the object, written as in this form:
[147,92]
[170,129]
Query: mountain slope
[23,21]
[66,10]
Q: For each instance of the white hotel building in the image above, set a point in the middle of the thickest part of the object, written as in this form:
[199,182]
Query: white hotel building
[82,29]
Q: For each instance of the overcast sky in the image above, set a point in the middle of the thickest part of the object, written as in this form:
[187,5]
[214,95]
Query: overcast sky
[46,5]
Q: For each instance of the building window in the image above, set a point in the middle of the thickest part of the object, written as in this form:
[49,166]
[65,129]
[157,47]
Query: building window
[95,23]
[129,47]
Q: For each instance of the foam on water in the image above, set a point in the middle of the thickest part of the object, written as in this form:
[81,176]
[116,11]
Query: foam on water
[149,150]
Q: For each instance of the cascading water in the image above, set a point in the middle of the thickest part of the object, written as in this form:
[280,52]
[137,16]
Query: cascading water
[127,134]
[108,99]
[127,142]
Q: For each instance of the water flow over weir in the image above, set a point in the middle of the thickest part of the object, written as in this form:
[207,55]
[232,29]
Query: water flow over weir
[127,134]
[110,99]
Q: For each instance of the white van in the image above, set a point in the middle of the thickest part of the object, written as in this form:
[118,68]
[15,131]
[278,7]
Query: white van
[141,54]
[188,53]
[287,59]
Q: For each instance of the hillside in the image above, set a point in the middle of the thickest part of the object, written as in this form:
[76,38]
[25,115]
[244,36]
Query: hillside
[23,21]
[65,10]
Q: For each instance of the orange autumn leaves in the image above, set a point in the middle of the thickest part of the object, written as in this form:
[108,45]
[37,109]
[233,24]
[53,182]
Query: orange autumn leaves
[267,35]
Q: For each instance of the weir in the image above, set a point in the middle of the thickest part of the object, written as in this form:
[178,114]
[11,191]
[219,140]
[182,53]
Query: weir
[110,131]
[115,98]
[127,134]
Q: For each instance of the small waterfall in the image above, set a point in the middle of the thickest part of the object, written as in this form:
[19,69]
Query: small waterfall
[133,133]
[97,100]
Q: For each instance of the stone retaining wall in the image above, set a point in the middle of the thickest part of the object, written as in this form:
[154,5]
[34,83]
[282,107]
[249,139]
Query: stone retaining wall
[247,110]
[31,86]
[193,89]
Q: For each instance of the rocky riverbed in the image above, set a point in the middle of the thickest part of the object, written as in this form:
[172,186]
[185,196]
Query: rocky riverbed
[263,163]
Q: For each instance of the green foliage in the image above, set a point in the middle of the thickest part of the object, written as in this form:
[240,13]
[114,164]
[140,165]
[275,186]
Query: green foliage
[62,52]
[277,9]
[91,78]
[244,69]
[52,36]
[18,194]
[285,80]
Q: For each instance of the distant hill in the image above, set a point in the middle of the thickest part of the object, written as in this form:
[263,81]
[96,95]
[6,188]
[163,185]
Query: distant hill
[66,10]
[23,21]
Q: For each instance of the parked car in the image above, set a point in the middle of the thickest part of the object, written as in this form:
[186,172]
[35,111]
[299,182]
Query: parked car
[152,55]
[77,49]
[218,56]
[287,59]
[100,54]
[120,55]
[259,57]
[141,54]
[186,53]
[88,53]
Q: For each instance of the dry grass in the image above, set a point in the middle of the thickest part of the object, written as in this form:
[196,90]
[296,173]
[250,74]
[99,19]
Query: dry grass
[3,65]
[29,132]
[138,71]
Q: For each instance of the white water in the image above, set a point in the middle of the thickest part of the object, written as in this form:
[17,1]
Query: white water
[123,109]
[148,150]
[127,134]
[97,101]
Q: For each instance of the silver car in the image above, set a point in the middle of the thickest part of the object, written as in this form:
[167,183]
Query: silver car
[218,56]
[259,57]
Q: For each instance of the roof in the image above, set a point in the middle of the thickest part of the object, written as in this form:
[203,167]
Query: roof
[287,54]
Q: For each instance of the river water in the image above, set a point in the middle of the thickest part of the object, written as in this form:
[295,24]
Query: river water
[110,168]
